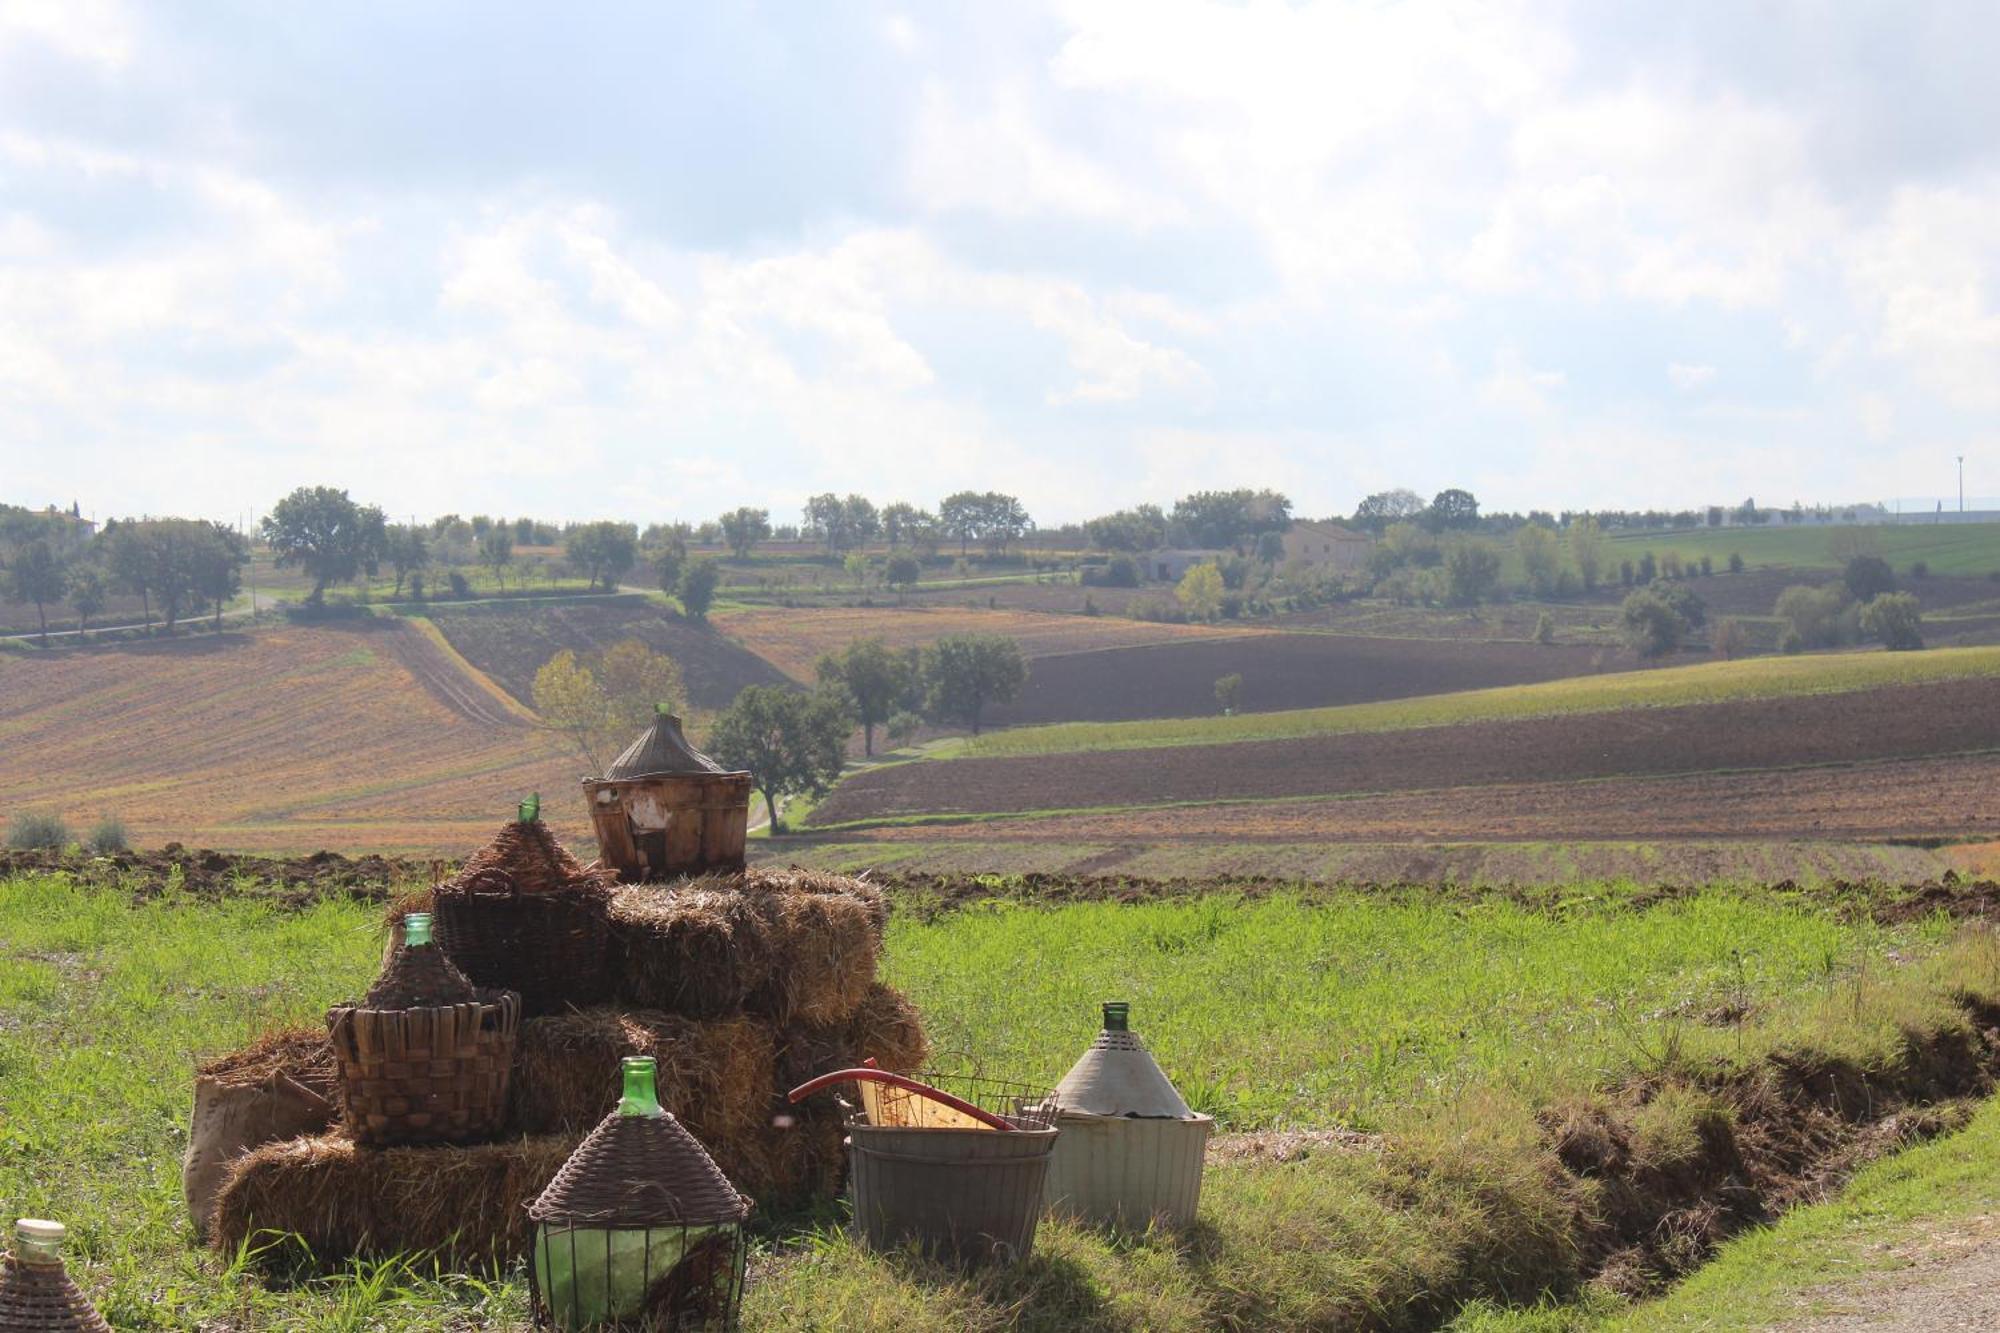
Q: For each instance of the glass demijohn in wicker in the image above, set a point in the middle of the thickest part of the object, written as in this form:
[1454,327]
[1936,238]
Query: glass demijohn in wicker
[639,1229]
[36,1294]
[425,1057]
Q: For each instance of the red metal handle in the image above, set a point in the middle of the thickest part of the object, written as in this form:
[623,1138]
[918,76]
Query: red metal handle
[959,1104]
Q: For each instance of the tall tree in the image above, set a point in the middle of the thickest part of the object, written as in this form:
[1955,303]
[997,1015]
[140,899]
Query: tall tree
[219,556]
[496,551]
[637,682]
[1200,592]
[1213,520]
[1382,508]
[790,743]
[603,550]
[897,520]
[1586,548]
[570,700]
[35,574]
[1541,557]
[697,586]
[965,672]
[744,528]
[322,531]
[86,594]
[876,679]
[959,515]
[1451,509]
[408,550]
[1140,528]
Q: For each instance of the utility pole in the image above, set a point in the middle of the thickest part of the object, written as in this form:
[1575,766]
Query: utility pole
[1961,485]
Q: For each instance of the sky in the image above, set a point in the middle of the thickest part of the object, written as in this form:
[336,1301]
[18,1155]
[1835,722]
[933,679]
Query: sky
[656,261]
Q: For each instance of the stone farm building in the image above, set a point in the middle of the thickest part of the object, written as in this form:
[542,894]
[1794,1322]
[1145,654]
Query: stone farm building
[1328,545]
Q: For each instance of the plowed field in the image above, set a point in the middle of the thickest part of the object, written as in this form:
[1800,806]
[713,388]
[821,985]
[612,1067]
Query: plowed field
[510,644]
[793,638]
[367,738]
[1885,799]
[1898,722]
[1297,670]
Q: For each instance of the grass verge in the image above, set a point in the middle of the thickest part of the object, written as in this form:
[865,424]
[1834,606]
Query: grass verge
[1464,1035]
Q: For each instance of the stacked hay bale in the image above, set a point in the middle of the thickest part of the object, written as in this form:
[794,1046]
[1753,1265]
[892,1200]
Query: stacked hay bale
[740,985]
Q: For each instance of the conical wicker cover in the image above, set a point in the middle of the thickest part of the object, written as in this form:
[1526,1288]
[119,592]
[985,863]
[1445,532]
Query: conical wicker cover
[419,978]
[40,1298]
[661,751]
[640,1171]
[1117,1077]
[522,858]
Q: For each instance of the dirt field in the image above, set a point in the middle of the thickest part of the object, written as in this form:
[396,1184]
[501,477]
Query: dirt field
[1898,722]
[1204,859]
[793,638]
[511,644]
[1297,670]
[1919,798]
[364,737]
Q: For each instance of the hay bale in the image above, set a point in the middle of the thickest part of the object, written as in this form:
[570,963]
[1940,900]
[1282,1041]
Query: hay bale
[824,949]
[887,1029]
[468,1205]
[714,1074]
[302,1054]
[693,950]
[798,1158]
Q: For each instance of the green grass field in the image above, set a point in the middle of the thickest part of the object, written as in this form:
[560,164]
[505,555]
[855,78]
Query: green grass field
[1948,548]
[1664,687]
[1442,1025]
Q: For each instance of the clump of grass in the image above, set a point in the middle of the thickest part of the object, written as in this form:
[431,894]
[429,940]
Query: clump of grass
[108,836]
[37,831]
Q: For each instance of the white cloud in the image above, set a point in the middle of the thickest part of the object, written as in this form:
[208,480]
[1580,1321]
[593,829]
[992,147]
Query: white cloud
[1688,376]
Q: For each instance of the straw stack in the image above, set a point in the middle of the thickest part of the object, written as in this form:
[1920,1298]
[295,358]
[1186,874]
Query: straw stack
[740,985]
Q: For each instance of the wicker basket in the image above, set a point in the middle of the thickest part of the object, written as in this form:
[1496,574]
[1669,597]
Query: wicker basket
[425,1057]
[550,947]
[40,1298]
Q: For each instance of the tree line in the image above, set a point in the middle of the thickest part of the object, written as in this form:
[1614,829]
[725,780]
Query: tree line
[176,566]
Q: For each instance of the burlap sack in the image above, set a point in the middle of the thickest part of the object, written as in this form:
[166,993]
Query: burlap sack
[230,1120]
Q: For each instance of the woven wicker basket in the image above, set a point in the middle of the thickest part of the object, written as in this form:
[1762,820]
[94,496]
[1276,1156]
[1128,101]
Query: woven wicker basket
[425,1058]
[550,947]
[40,1298]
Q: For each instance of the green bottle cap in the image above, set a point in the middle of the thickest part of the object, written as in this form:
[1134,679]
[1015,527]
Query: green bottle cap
[1117,1016]
[38,1241]
[640,1098]
[417,929]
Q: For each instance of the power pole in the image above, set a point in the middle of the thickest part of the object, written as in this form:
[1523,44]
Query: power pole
[1961,485]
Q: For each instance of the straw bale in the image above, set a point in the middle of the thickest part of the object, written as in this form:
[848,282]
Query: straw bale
[691,950]
[714,1074]
[302,1054]
[824,950]
[888,1030]
[467,1204]
[798,1157]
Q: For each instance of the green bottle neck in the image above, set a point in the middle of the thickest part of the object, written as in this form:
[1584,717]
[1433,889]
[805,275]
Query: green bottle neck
[37,1241]
[417,929]
[640,1097]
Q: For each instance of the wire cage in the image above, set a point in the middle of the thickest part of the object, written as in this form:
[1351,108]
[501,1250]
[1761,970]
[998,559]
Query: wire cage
[932,1174]
[36,1293]
[639,1229]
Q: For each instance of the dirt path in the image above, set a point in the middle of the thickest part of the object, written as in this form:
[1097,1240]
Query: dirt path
[1950,1282]
[443,679]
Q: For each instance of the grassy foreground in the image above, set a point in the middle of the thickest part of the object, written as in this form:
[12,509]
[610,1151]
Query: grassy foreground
[1444,1027]
[1663,687]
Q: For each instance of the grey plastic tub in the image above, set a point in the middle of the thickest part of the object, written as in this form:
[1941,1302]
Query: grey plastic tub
[966,1196]
[1126,1172]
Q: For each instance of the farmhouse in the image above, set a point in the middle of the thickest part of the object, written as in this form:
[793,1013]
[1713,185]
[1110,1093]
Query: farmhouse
[1170,564]
[1326,544]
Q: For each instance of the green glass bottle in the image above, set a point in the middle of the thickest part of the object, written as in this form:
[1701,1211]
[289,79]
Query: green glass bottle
[416,929]
[641,1095]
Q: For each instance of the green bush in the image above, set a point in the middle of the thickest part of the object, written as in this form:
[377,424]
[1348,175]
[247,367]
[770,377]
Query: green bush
[1735,563]
[31,831]
[1545,629]
[1653,627]
[108,836]
[1895,619]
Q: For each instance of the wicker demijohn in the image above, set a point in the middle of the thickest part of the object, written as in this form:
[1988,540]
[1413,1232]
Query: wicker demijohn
[36,1294]
[425,1057]
[639,1229]
[523,915]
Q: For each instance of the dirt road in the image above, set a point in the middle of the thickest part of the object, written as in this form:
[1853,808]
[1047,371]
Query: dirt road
[1949,1283]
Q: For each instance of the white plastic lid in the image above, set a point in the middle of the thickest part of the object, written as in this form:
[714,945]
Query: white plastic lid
[39,1240]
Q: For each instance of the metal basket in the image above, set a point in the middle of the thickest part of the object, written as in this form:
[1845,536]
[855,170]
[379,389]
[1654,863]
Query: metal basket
[959,1195]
